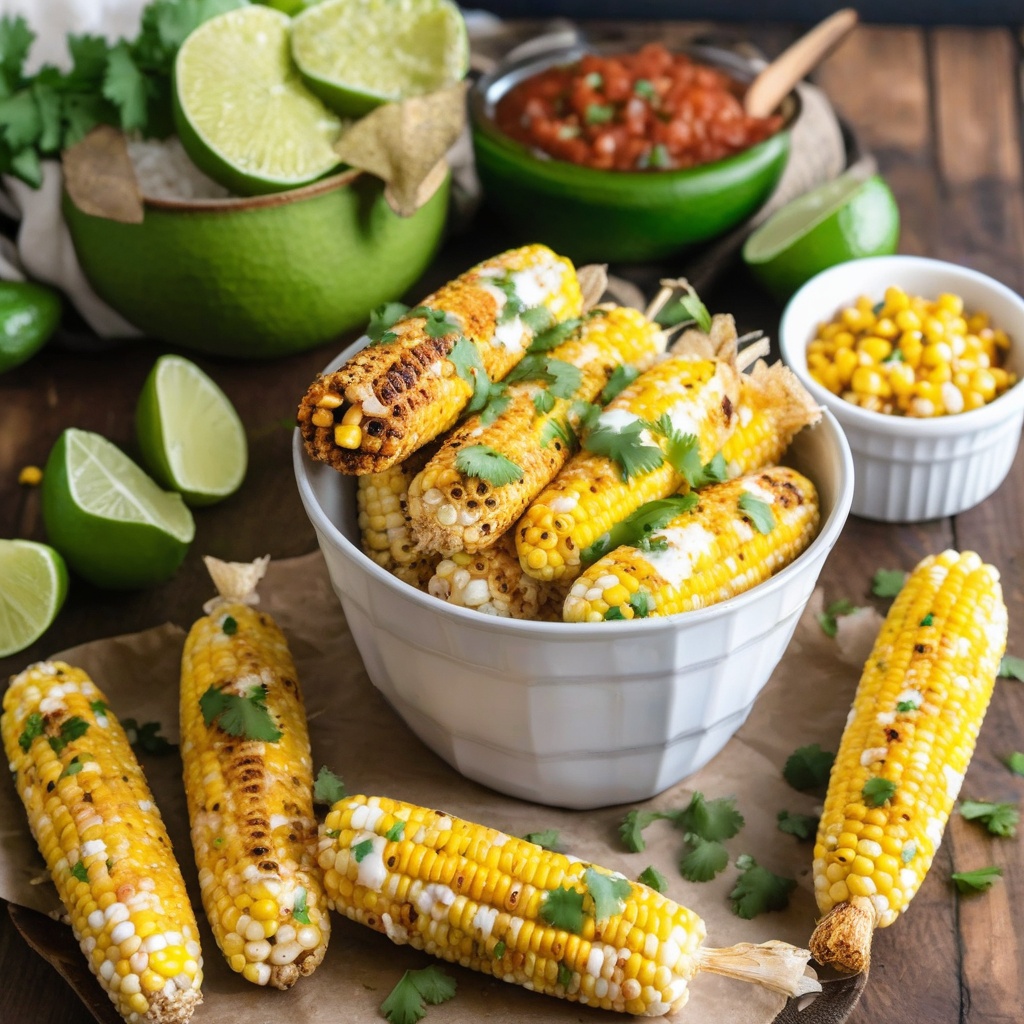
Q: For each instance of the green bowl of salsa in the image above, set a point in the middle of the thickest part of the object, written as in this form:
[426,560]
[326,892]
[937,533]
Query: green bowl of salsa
[624,157]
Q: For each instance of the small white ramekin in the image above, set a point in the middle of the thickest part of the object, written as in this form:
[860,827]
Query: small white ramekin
[908,469]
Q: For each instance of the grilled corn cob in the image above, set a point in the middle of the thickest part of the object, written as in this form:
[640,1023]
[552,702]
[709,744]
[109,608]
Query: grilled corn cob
[393,397]
[452,509]
[248,781]
[773,408]
[480,898]
[910,736]
[696,393]
[705,555]
[104,841]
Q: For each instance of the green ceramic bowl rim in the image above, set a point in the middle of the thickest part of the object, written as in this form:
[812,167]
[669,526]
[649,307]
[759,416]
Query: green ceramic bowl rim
[489,89]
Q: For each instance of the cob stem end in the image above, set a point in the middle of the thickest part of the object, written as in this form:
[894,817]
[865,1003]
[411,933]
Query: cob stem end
[236,582]
[774,965]
[842,937]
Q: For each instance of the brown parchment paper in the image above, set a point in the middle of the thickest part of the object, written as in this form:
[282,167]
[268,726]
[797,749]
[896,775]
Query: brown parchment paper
[356,733]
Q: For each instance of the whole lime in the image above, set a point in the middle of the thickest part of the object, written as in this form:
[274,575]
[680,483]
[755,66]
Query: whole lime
[29,314]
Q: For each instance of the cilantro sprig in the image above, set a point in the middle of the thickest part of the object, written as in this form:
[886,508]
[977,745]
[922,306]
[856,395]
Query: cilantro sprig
[146,736]
[888,582]
[758,511]
[487,463]
[382,319]
[758,890]
[639,525]
[1000,819]
[328,788]
[626,446]
[803,826]
[1011,667]
[407,1002]
[548,838]
[808,768]
[243,715]
[977,880]
[829,618]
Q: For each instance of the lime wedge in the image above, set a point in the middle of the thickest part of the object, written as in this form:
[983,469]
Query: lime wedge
[33,585]
[191,438]
[112,522]
[356,54]
[852,216]
[29,314]
[241,109]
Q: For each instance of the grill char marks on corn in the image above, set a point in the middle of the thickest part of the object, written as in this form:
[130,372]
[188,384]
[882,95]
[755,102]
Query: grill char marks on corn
[703,556]
[911,733]
[474,896]
[250,801]
[104,842]
[393,397]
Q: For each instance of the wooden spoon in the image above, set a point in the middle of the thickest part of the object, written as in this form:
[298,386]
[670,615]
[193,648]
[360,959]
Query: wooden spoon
[778,78]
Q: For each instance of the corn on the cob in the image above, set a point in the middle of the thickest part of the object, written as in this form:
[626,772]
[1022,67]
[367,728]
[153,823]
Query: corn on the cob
[696,396]
[773,408]
[906,746]
[480,898]
[393,397]
[702,556]
[248,780]
[104,842]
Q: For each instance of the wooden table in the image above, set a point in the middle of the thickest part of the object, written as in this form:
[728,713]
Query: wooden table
[939,108]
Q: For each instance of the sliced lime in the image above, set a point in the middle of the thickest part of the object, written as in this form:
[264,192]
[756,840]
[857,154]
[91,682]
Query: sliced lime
[191,438]
[33,585]
[852,216]
[29,314]
[112,522]
[356,54]
[241,109]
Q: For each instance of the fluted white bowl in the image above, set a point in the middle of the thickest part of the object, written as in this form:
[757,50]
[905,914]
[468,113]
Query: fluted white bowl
[571,714]
[909,469]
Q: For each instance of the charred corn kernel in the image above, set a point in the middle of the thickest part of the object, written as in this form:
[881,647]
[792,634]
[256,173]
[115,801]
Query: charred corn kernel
[104,842]
[451,508]
[478,897]
[407,389]
[30,476]
[250,799]
[907,744]
[695,391]
[703,556]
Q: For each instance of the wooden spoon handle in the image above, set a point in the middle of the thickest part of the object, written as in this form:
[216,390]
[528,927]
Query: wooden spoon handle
[779,77]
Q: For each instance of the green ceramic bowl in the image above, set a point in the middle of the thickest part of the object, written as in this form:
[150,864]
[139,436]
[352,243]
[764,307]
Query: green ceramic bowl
[259,277]
[618,216]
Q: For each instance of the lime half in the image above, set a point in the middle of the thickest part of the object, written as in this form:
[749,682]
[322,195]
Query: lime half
[29,314]
[241,109]
[191,438]
[356,54]
[112,522]
[33,585]
[844,219]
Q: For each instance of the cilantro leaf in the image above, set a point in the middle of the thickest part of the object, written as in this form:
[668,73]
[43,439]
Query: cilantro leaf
[644,88]
[827,618]
[565,378]
[977,880]
[803,826]
[681,450]
[584,415]
[79,871]
[300,911]
[609,893]
[633,824]
[20,119]
[620,378]
[328,788]
[70,729]
[229,625]
[685,309]
[556,429]
[563,908]
[486,463]
[888,582]
[626,447]
[15,41]
[438,323]
[382,319]
[543,402]
[714,471]
[703,860]
[758,890]
[808,768]
[75,765]
[99,708]
[498,400]
[648,518]
[465,357]
[146,736]
[407,1001]
[396,832]
[1015,762]
[1000,819]
[598,113]
[653,879]
[553,336]
[1011,668]
[240,715]
[641,603]
[548,838]
[537,319]
[877,791]
[564,976]
[649,544]
[362,850]
[127,87]
[758,511]
[33,728]
[713,820]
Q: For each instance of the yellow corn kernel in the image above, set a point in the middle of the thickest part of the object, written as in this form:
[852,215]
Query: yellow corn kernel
[30,476]
[937,354]
[868,380]
[951,303]
[984,383]
[875,347]
[348,436]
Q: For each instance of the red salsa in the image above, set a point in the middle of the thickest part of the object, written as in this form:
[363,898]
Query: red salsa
[651,110]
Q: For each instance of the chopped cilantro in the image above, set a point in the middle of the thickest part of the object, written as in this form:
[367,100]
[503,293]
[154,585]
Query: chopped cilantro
[758,890]
[685,309]
[1011,668]
[74,766]
[595,80]
[828,618]
[904,706]
[70,729]
[332,833]
[977,880]
[641,604]
[563,379]
[556,429]
[33,728]
[382,319]
[563,908]
[703,859]
[407,1002]
[395,833]
[648,518]
[888,582]
[653,879]
[714,471]
[362,850]
[79,871]
[626,447]
[633,824]
[300,912]
[218,842]
[554,336]
[713,820]
[486,463]
[999,819]
[564,976]
[651,544]
[465,357]
[598,113]
[568,131]
[808,768]
[438,323]
[645,89]
[877,791]
[908,853]
[245,715]
[803,826]
[895,356]
[1015,762]
[548,838]
[146,736]
[614,614]
[758,511]
[609,893]
[620,378]
[928,620]
[328,788]
[99,707]
[229,625]
[499,950]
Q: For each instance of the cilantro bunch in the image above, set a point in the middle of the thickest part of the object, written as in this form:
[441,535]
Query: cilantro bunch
[126,84]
